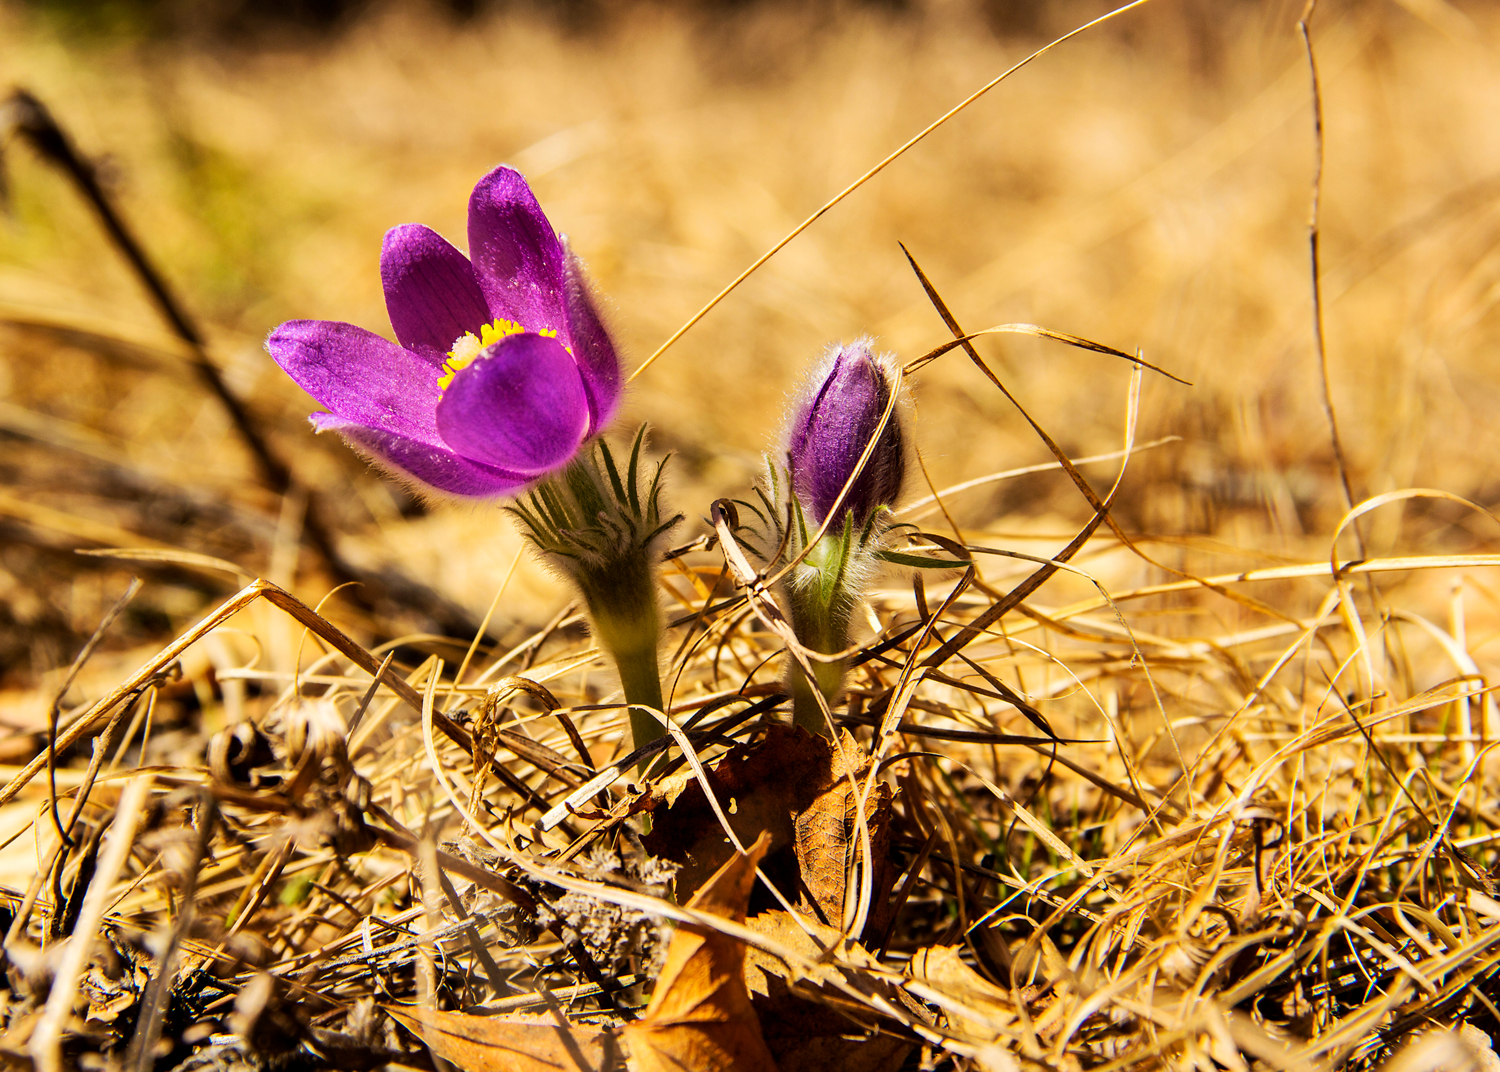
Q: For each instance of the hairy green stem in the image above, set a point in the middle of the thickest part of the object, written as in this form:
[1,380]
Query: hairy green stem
[641,681]
[599,523]
[627,623]
[823,629]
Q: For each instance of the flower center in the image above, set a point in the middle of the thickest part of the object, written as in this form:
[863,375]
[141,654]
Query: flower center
[467,347]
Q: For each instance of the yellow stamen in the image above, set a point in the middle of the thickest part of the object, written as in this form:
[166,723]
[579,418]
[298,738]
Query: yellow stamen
[466,347]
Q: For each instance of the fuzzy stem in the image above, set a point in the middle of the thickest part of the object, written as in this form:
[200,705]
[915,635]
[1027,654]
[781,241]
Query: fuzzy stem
[641,681]
[824,629]
[599,523]
[622,602]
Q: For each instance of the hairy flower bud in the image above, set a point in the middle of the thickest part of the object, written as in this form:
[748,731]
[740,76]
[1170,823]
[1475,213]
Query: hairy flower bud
[830,429]
[834,426]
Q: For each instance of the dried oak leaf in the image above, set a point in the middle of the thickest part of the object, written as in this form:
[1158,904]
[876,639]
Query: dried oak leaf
[700,1017]
[988,1011]
[802,790]
[828,835]
[808,1035]
[510,1044]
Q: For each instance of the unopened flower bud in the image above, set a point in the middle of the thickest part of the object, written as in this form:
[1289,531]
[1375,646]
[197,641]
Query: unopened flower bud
[830,429]
[836,424]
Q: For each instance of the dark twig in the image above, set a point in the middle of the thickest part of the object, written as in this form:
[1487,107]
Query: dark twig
[142,1052]
[35,123]
[57,699]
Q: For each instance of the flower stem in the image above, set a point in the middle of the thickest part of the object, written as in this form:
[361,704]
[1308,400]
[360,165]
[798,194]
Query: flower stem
[599,524]
[822,628]
[627,623]
[641,681]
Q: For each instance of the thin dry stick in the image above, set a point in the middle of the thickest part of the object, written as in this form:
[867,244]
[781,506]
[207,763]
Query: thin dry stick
[364,703]
[1313,233]
[34,121]
[62,690]
[911,508]
[141,1055]
[432,910]
[877,169]
[46,1040]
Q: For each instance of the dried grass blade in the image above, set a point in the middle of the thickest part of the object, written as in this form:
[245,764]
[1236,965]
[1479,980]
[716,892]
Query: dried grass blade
[62,690]
[857,183]
[141,1055]
[159,662]
[45,1046]
[172,557]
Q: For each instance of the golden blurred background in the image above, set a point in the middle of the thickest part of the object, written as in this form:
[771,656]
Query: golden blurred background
[1146,185]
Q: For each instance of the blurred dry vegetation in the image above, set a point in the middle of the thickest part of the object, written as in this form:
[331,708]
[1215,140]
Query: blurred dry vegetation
[1146,185]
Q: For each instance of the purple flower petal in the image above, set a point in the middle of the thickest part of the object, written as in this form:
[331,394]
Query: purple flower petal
[518,261]
[360,376]
[432,466]
[430,290]
[520,406]
[592,348]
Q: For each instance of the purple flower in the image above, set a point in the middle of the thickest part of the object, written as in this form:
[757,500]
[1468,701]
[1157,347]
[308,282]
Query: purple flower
[832,425]
[504,368]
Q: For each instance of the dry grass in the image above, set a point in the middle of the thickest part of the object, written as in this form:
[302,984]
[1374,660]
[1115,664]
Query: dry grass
[1274,846]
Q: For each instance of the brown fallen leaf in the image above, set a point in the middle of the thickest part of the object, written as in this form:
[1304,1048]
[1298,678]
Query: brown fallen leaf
[700,1018]
[794,786]
[503,1044]
[806,936]
[830,1033]
[828,835]
[991,1009]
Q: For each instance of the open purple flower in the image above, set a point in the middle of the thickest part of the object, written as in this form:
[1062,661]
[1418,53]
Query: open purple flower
[504,368]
